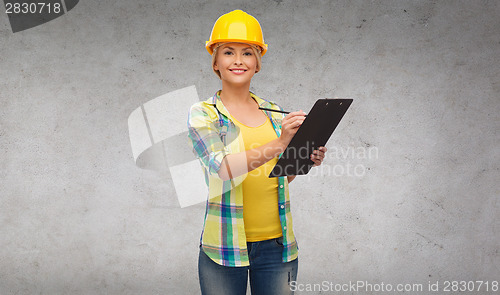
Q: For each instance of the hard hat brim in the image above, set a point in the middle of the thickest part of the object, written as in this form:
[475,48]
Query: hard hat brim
[209,44]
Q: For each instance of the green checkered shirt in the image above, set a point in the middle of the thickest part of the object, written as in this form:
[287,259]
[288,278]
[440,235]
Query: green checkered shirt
[213,135]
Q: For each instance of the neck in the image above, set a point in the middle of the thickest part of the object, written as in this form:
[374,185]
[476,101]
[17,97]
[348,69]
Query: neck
[235,95]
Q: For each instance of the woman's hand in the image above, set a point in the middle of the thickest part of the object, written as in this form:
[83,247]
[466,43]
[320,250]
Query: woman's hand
[290,125]
[318,155]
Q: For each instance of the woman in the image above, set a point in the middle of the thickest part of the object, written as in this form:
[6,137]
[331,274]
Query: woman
[248,225]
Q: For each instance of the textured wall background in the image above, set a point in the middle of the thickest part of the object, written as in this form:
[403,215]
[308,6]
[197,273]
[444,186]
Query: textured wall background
[78,217]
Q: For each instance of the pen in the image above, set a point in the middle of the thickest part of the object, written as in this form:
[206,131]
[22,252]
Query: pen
[278,111]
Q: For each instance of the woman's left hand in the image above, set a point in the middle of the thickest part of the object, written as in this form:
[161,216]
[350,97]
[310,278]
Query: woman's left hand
[318,155]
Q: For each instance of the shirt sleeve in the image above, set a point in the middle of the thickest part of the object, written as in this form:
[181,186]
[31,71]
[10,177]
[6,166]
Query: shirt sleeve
[206,139]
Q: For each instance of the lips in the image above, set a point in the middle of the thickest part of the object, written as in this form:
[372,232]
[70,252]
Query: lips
[237,71]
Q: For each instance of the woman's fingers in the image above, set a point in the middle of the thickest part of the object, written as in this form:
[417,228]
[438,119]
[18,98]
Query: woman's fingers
[291,124]
[293,115]
[318,155]
[297,123]
[321,151]
[294,119]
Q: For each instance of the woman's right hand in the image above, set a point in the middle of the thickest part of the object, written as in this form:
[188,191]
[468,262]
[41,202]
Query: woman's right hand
[290,125]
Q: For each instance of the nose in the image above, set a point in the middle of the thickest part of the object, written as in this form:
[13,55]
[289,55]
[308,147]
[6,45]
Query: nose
[237,59]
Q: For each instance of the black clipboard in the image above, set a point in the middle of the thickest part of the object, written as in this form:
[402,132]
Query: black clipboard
[314,132]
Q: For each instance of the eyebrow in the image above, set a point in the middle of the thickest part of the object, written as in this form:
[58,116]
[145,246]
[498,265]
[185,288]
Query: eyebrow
[229,47]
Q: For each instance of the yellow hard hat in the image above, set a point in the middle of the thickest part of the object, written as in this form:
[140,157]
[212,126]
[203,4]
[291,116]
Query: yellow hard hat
[237,26]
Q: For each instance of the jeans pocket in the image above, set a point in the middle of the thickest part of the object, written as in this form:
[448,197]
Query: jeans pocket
[279,241]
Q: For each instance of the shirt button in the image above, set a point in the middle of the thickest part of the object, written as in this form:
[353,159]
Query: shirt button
[284,227]
[282,206]
[281,186]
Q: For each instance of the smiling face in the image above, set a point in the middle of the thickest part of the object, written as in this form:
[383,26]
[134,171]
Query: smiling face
[236,63]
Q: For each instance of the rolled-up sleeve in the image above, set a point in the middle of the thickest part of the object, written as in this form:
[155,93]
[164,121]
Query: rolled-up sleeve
[206,140]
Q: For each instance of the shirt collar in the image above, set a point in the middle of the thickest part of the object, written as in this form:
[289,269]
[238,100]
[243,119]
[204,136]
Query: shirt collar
[217,102]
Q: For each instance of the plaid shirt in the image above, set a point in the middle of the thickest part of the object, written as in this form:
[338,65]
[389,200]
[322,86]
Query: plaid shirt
[214,135]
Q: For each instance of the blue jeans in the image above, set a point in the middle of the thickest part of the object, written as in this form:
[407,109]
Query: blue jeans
[268,274]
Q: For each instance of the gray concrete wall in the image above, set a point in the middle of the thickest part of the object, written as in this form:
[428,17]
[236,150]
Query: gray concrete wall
[420,203]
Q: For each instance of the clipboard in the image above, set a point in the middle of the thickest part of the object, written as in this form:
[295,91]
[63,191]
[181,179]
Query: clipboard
[314,132]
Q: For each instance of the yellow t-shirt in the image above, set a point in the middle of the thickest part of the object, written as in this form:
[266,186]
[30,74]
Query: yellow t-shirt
[260,193]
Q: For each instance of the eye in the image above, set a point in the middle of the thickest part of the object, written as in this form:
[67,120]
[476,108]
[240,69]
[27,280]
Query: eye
[248,53]
[228,53]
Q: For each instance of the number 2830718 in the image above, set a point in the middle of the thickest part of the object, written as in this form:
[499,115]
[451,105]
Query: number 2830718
[33,8]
